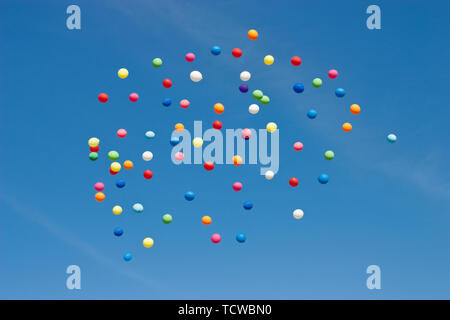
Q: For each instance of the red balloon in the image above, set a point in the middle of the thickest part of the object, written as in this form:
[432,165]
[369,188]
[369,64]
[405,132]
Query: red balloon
[293,182]
[103,97]
[148,174]
[296,61]
[236,52]
[167,83]
[208,165]
[112,172]
[217,125]
[95,149]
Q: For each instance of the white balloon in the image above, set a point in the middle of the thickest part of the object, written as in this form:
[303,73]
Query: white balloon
[196,76]
[253,109]
[147,156]
[298,214]
[245,76]
[269,175]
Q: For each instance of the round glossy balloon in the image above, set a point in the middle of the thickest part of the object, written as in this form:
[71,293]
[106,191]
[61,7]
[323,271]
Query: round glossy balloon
[99,196]
[264,100]
[184,103]
[103,97]
[189,196]
[216,50]
[147,156]
[268,60]
[217,125]
[246,133]
[93,156]
[391,138]
[157,62]
[347,127]
[113,155]
[196,76]
[236,52]
[323,178]
[298,87]
[128,164]
[167,83]
[148,174]
[206,220]
[208,165]
[189,57]
[122,73]
[120,183]
[243,88]
[149,134]
[298,214]
[167,102]
[118,232]
[293,182]
[117,210]
[121,133]
[179,156]
[148,242]
[312,114]
[271,127]
[252,34]
[240,237]
[317,83]
[93,142]
[332,74]
[179,127]
[269,174]
[99,186]
[138,208]
[253,109]
[237,186]
[94,149]
[174,141]
[133,97]
[296,61]
[215,238]
[247,205]
[257,94]
[340,92]
[245,76]
[219,108]
[115,167]
[355,109]
[197,142]
[298,146]
[329,155]
[127,256]
[237,160]
[112,172]
[167,218]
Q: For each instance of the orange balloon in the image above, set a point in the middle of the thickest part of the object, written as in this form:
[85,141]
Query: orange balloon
[253,34]
[128,164]
[206,220]
[219,108]
[237,160]
[355,109]
[99,196]
[179,127]
[347,127]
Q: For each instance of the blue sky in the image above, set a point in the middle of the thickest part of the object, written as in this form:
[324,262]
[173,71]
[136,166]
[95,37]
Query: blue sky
[385,204]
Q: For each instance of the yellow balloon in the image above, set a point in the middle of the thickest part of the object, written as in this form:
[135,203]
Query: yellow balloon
[197,142]
[122,73]
[271,127]
[148,242]
[237,160]
[117,210]
[93,142]
[115,166]
[268,60]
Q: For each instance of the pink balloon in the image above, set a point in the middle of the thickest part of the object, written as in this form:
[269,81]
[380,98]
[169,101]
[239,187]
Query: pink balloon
[179,156]
[99,186]
[332,74]
[134,97]
[189,57]
[215,238]
[184,103]
[298,146]
[237,186]
[121,133]
[246,133]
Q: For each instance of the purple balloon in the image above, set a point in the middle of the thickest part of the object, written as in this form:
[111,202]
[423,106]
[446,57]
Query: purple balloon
[243,88]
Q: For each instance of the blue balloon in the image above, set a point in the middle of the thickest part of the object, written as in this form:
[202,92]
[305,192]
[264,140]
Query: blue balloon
[118,231]
[167,102]
[215,50]
[312,114]
[240,237]
[189,196]
[248,205]
[174,141]
[120,183]
[127,256]
[243,88]
[299,87]
[340,92]
[323,178]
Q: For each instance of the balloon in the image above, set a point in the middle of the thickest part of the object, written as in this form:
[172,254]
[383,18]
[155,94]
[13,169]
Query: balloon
[121,133]
[215,238]
[128,164]
[197,142]
[217,125]
[122,73]
[252,34]
[117,210]
[329,155]
[157,62]
[246,133]
[167,102]
[138,208]
[257,94]
[237,160]
[298,146]
[293,182]
[179,127]
[167,83]
[296,61]
[271,127]
[264,100]
[112,172]
[94,149]
[269,174]
[179,156]
[147,156]
[268,60]
[184,103]
[332,74]
[391,138]
[93,156]
[189,196]
[189,57]
[206,220]
[99,186]
[120,183]
[297,214]
[118,232]
[237,186]
[245,75]
[323,178]
[99,196]
[347,127]
[133,97]
[355,109]
[148,174]
[312,114]
[103,97]
[115,167]
[236,52]
[219,108]
[216,50]
[247,205]
[174,141]
[196,76]
[340,92]
[113,155]
[208,165]
[240,237]
[127,257]
[317,83]
[298,87]
[243,88]
[253,109]
[167,218]
[149,134]
[93,142]
[148,242]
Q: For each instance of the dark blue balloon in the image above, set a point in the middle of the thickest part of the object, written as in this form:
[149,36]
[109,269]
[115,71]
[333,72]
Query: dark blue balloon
[240,237]
[323,178]
[299,87]
[189,196]
[243,88]
[248,205]
[312,114]
[127,256]
[174,141]
[340,92]
[167,102]
[215,50]
[118,231]
[120,183]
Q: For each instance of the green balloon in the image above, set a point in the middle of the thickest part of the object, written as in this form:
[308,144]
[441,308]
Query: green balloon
[257,94]
[317,83]
[93,156]
[167,218]
[157,62]
[329,155]
[265,100]
[113,155]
